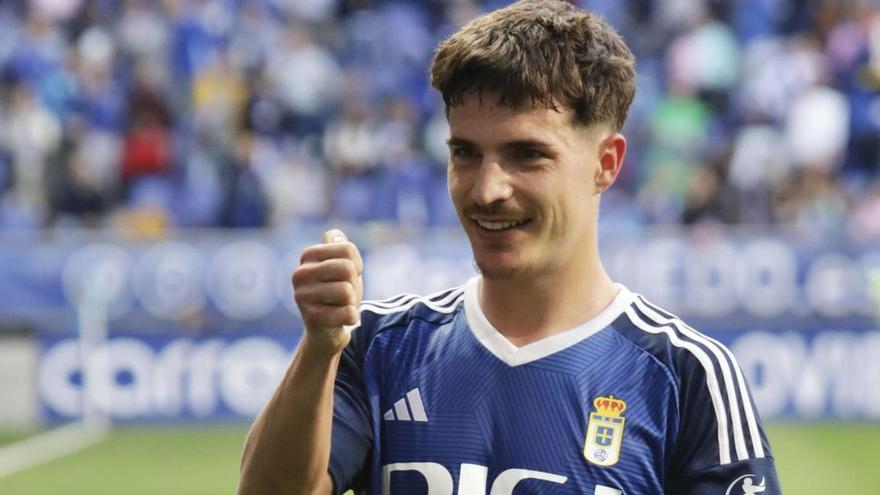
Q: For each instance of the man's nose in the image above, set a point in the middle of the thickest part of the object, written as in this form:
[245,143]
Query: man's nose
[493,183]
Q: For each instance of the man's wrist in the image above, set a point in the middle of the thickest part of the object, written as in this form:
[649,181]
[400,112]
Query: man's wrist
[323,347]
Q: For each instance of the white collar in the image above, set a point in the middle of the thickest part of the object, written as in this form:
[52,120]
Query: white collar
[512,355]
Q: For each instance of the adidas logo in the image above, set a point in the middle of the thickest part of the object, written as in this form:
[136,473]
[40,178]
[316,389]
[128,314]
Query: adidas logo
[409,408]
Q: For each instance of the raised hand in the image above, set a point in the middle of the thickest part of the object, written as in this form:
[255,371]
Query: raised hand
[328,289]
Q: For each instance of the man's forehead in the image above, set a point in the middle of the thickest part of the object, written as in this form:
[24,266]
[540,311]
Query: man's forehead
[474,112]
[490,101]
[484,117]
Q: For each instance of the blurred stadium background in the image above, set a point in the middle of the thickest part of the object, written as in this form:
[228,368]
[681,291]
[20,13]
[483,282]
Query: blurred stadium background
[162,163]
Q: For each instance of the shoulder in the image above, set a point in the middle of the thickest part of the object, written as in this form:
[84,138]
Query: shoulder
[686,352]
[378,316]
[711,385]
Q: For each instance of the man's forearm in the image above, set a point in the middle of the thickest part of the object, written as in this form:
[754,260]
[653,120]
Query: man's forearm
[287,450]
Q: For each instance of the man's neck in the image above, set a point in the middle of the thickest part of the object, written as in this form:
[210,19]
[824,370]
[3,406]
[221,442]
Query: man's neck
[528,309]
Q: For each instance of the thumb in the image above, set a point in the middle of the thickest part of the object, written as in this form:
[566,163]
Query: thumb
[333,235]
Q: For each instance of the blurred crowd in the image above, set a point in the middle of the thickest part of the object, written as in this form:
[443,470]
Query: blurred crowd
[157,114]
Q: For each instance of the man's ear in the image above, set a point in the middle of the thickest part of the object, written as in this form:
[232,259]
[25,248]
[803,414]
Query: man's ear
[611,152]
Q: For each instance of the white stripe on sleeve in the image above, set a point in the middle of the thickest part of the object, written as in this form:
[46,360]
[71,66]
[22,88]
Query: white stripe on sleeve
[751,419]
[711,379]
[739,439]
[445,305]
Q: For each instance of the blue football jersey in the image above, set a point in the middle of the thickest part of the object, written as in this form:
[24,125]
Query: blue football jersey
[431,399]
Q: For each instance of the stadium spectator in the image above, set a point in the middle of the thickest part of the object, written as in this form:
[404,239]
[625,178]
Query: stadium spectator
[143,32]
[811,203]
[245,204]
[705,60]
[32,135]
[218,96]
[79,199]
[712,76]
[351,150]
[757,168]
[709,197]
[865,220]
[816,128]
[307,78]
[146,149]
[297,186]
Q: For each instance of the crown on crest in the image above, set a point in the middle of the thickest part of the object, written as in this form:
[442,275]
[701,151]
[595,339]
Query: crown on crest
[609,406]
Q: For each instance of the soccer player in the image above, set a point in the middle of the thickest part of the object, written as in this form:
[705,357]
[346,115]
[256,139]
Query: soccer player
[541,375]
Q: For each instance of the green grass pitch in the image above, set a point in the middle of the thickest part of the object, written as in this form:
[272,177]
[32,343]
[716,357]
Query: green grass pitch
[813,459]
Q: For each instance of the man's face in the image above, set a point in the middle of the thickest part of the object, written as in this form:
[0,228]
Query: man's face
[525,183]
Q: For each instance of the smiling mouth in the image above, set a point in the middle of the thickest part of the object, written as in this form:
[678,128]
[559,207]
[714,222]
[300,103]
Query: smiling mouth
[498,226]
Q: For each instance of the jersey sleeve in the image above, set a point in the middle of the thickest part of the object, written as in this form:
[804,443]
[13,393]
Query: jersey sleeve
[721,446]
[352,435]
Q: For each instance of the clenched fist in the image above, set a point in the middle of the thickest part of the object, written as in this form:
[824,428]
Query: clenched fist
[328,289]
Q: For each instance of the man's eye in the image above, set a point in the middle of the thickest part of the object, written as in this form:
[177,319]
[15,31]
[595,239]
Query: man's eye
[529,154]
[463,152]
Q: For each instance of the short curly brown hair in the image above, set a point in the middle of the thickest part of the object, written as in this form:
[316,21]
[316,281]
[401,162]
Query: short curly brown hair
[544,52]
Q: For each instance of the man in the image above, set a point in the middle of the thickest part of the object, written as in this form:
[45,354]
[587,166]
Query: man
[541,375]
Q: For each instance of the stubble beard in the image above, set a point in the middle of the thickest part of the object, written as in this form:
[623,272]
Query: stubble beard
[508,273]
[518,270]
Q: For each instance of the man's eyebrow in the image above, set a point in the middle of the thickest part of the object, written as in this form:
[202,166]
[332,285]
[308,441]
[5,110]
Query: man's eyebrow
[457,141]
[517,144]
[526,143]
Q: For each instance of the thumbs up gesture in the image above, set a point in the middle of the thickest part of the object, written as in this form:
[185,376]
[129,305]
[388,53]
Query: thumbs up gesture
[328,289]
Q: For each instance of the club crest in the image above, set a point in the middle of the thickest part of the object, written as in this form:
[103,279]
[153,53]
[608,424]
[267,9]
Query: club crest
[605,431]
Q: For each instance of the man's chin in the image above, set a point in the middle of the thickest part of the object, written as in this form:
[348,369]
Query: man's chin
[497,271]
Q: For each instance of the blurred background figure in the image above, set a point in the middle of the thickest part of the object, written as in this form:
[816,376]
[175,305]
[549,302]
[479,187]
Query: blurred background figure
[171,158]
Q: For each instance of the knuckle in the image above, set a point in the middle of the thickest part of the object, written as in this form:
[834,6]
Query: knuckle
[330,270]
[303,294]
[349,294]
[299,276]
[351,315]
[350,250]
[330,267]
[308,313]
[310,253]
[349,267]
[306,254]
[336,293]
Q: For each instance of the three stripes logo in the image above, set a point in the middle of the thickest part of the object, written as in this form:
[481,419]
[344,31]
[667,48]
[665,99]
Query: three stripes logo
[409,408]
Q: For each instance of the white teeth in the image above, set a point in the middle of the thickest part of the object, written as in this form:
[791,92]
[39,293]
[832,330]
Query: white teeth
[498,225]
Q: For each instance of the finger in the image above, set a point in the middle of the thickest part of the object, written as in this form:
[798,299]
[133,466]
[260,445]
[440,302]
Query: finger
[317,316]
[338,236]
[332,270]
[334,235]
[344,249]
[328,294]
[337,270]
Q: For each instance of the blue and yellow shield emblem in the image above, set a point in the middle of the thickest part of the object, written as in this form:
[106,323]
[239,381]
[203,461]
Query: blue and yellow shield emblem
[605,431]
